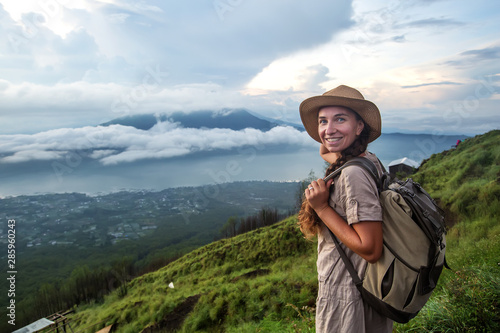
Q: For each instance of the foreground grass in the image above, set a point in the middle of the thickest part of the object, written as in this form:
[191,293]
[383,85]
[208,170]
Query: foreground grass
[279,294]
[467,297]
[259,280]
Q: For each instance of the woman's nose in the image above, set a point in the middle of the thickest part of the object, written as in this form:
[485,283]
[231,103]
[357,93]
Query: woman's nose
[331,129]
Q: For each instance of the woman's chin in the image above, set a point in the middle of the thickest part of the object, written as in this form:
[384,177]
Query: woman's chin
[333,148]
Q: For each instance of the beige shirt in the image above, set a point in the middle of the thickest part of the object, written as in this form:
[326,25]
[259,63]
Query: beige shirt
[339,305]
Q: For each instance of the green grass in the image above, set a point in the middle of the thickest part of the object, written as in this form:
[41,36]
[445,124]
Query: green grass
[249,279]
[467,297]
[265,280]
[465,181]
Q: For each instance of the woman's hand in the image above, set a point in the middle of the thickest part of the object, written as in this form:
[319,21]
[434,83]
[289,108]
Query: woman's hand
[364,238]
[317,193]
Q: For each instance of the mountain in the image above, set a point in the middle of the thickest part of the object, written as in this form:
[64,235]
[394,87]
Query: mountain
[235,119]
[140,121]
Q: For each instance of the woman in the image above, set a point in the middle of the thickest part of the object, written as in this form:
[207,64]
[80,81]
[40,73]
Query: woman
[344,123]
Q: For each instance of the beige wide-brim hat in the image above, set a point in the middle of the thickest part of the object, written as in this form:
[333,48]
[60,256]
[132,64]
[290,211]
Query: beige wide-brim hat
[340,96]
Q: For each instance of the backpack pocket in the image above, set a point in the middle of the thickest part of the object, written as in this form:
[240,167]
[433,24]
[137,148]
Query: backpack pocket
[388,280]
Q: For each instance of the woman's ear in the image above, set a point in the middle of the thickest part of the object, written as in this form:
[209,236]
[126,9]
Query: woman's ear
[360,127]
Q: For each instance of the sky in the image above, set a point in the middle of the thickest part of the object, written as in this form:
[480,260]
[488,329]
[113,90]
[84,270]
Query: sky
[67,66]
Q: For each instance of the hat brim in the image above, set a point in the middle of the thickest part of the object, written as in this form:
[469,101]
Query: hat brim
[368,111]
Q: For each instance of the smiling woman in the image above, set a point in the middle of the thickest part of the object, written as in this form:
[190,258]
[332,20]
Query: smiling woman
[344,123]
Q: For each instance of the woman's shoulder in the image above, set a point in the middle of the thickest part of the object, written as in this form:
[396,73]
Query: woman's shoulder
[374,159]
[354,172]
[357,171]
[357,182]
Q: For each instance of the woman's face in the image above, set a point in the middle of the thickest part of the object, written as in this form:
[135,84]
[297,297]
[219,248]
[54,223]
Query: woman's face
[338,127]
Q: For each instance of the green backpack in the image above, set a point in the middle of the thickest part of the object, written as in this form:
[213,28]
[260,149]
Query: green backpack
[399,284]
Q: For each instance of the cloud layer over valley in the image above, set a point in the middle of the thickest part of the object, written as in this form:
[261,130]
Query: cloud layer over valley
[120,144]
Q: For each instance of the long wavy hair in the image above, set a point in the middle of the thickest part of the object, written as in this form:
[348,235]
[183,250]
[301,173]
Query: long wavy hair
[308,219]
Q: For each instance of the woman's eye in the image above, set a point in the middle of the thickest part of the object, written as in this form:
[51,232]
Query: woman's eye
[340,119]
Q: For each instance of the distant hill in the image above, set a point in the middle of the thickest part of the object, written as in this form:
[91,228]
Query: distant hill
[265,280]
[235,119]
[394,146]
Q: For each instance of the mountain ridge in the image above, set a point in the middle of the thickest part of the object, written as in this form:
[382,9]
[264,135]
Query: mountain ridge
[235,119]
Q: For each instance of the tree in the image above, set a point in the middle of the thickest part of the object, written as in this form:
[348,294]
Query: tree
[229,229]
[302,187]
[268,216]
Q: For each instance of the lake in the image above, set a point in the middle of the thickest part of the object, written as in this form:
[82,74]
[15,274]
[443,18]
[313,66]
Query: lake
[276,163]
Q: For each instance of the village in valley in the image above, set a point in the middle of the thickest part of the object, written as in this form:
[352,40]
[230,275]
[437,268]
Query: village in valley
[78,219]
[81,220]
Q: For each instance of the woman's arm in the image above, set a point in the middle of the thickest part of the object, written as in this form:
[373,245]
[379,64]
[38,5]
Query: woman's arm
[364,238]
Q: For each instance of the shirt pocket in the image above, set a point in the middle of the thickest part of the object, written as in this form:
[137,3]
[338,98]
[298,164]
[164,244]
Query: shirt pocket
[326,263]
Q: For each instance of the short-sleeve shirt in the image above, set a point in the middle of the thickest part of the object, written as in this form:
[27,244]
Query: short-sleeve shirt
[339,305]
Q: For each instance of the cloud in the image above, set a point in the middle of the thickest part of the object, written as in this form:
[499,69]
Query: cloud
[430,22]
[314,77]
[431,84]
[96,69]
[476,56]
[27,105]
[33,155]
[214,40]
[100,153]
[399,39]
[488,53]
[185,141]
[121,144]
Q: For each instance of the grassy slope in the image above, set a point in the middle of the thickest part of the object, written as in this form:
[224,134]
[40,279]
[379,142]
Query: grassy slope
[239,280]
[266,280]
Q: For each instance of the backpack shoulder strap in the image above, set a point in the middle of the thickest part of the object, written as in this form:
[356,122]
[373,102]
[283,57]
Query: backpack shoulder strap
[372,170]
[382,183]
[368,166]
[347,262]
